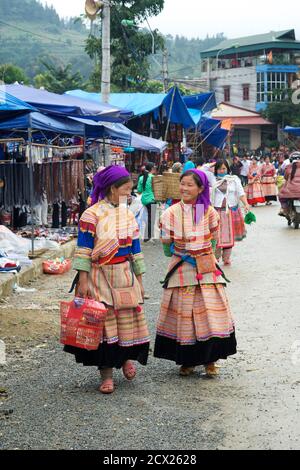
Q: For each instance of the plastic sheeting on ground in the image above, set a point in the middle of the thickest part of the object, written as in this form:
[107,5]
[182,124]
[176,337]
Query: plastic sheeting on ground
[14,245]
[65,105]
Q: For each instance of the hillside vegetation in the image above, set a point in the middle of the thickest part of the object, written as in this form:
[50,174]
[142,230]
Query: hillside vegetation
[31,33]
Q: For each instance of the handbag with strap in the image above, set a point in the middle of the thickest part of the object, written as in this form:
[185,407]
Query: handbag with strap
[124,298]
[206,263]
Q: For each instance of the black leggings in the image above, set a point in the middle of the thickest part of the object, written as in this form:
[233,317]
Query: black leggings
[56,213]
[151,208]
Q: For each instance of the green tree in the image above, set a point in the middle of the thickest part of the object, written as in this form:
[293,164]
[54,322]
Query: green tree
[131,46]
[58,79]
[11,73]
[284,113]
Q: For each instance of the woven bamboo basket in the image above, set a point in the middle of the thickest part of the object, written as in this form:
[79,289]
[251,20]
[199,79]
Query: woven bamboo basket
[159,188]
[172,183]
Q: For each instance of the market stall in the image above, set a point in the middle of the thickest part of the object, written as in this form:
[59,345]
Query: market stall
[162,116]
[35,173]
[63,105]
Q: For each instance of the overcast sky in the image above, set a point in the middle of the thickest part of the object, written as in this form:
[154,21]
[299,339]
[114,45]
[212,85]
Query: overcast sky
[196,18]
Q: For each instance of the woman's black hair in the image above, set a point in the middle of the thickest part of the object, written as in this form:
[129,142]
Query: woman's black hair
[200,161]
[294,170]
[149,168]
[219,164]
[195,177]
[118,184]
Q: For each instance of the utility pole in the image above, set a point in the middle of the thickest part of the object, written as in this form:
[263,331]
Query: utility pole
[106,73]
[165,70]
[208,75]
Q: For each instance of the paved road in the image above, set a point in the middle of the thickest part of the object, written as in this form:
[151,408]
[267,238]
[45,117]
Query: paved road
[254,404]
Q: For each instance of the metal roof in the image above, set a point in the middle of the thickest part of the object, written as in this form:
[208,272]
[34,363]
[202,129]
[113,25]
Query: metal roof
[273,39]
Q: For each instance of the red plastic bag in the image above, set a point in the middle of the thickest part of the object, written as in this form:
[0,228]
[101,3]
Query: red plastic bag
[82,323]
[54,267]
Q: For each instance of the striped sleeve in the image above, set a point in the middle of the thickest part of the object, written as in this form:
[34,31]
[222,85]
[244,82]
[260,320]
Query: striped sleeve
[137,256]
[167,227]
[86,241]
[214,220]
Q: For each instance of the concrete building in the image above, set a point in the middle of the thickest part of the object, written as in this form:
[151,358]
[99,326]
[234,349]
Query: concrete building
[249,129]
[253,71]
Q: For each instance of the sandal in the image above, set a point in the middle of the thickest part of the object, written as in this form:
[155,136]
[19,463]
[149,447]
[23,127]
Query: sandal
[107,387]
[186,371]
[212,370]
[129,370]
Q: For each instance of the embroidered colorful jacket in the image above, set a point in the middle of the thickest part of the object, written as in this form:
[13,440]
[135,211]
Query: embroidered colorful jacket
[107,232]
[178,226]
[188,238]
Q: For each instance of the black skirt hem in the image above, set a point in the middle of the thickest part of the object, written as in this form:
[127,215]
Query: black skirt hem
[271,198]
[200,354]
[110,356]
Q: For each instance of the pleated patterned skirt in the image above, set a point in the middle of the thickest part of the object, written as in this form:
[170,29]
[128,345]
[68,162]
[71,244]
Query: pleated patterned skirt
[126,334]
[255,194]
[195,326]
[269,188]
[240,231]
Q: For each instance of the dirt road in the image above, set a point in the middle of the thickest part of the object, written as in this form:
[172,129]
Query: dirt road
[49,402]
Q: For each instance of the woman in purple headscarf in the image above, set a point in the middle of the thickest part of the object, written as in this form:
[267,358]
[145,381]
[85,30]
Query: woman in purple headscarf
[109,257]
[195,325]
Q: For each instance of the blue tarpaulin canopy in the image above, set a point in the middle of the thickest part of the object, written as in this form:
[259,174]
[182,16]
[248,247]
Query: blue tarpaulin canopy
[11,106]
[81,127]
[121,134]
[147,143]
[38,121]
[104,130]
[292,130]
[65,105]
[208,124]
[210,129]
[204,102]
[145,103]
[216,137]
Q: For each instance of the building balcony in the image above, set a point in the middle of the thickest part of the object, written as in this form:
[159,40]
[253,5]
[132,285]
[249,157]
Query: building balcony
[278,68]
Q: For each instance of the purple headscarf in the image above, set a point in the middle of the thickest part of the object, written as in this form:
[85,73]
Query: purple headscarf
[204,197]
[105,179]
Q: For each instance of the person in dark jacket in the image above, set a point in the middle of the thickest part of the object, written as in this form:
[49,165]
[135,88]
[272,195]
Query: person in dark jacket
[236,167]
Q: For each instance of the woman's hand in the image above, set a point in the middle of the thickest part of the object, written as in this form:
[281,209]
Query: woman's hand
[140,279]
[245,203]
[142,290]
[82,289]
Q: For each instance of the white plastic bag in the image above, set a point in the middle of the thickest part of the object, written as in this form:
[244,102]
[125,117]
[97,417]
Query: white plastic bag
[11,243]
[158,214]
[142,220]
[15,245]
[44,244]
[136,206]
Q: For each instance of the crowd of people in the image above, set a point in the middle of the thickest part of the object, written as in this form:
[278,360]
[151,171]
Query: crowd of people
[195,326]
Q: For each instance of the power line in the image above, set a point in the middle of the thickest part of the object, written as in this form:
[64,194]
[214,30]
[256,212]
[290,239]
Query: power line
[34,34]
